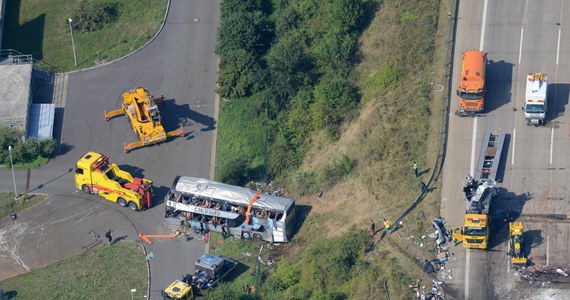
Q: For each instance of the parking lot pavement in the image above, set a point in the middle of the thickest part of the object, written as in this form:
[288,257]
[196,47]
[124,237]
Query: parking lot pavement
[58,228]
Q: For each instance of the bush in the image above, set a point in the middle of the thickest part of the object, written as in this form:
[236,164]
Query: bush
[304,182]
[335,99]
[23,152]
[241,31]
[93,15]
[239,75]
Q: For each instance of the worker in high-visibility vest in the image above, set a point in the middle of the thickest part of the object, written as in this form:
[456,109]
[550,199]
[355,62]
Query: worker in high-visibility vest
[387,225]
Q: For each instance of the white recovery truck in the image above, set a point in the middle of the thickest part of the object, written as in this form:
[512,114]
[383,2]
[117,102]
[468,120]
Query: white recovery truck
[535,103]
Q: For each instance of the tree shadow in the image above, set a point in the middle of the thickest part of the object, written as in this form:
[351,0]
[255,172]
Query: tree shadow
[10,294]
[499,82]
[506,207]
[301,214]
[558,99]
[174,116]
[26,38]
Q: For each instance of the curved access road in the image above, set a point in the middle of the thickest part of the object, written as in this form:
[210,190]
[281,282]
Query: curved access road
[179,63]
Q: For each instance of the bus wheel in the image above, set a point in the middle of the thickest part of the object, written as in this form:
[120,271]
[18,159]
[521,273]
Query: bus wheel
[246,235]
[257,237]
[133,206]
[85,188]
[122,202]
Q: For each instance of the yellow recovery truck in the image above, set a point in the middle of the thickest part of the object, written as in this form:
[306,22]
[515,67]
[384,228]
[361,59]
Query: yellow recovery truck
[515,244]
[94,174]
[142,110]
[479,192]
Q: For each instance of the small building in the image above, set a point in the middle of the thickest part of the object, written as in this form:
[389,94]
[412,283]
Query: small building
[17,109]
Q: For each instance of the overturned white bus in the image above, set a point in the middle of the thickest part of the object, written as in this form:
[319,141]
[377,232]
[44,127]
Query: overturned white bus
[232,210]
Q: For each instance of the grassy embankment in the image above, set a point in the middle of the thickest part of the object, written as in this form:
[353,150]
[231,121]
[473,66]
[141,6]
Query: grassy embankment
[398,123]
[41,28]
[106,272]
[9,204]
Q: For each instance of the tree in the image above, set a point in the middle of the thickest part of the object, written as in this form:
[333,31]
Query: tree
[344,15]
[335,98]
[241,31]
[92,15]
[240,75]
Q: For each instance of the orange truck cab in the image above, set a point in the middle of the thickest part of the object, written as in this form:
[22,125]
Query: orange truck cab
[471,90]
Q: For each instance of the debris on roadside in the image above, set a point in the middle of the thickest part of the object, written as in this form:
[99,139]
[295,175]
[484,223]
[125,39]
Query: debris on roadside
[270,188]
[422,293]
[542,273]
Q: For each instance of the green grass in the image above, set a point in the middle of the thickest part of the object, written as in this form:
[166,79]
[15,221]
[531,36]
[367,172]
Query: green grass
[41,28]
[9,204]
[241,135]
[106,272]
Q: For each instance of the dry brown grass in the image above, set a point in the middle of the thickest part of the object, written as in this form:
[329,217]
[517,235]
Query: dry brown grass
[394,128]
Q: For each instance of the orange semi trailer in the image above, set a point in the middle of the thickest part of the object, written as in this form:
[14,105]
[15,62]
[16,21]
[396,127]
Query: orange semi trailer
[471,90]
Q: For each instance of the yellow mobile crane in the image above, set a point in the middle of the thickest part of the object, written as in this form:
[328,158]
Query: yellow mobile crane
[142,110]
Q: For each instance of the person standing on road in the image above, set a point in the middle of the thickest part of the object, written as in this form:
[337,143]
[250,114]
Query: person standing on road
[416,169]
[109,236]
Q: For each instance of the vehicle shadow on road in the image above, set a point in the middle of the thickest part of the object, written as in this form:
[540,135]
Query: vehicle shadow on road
[558,99]
[135,171]
[499,83]
[184,116]
[507,207]
[531,239]
[159,195]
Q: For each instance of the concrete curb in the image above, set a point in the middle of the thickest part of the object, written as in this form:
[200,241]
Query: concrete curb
[136,51]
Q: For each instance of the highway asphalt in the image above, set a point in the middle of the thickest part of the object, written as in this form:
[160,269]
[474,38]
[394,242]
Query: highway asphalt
[179,63]
[520,37]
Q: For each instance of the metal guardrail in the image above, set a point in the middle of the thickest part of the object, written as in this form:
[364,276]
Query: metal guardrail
[18,58]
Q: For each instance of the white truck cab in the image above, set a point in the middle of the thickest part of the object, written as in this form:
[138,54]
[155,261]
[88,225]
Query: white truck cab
[535,102]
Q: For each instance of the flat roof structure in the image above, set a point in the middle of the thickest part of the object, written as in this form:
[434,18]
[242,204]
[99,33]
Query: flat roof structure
[15,94]
[41,118]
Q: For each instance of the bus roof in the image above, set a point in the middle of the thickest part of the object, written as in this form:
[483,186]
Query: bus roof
[233,194]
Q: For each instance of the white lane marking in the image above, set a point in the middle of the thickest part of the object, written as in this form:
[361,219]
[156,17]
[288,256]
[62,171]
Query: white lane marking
[520,46]
[547,249]
[558,47]
[473,142]
[482,41]
[467,272]
[551,143]
[513,155]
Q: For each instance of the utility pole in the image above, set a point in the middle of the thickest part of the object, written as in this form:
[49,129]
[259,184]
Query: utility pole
[72,42]
[13,177]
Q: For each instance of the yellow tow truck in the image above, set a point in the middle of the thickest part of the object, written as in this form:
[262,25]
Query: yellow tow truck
[141,108]
[94,174]
[516,243]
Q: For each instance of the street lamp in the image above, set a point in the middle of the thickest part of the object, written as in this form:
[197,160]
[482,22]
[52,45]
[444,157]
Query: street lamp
[72,42]
[132,292]
[12,166]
